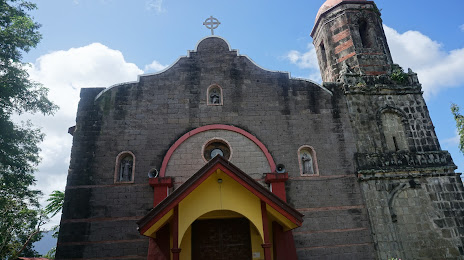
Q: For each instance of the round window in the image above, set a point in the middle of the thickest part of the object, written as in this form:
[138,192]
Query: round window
[216,151]
[216,147]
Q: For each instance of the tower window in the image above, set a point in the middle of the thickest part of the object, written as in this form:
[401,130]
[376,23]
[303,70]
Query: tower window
[323,56]
[394,132]
[395,143]
[366,40]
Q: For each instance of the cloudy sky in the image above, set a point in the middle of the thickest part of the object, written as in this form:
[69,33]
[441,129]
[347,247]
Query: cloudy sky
[98,43]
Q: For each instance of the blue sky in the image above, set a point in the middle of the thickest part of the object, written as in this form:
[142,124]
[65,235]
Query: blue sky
[97,43]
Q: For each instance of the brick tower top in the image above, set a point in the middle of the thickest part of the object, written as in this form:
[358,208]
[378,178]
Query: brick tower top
[348,35]
[331,3]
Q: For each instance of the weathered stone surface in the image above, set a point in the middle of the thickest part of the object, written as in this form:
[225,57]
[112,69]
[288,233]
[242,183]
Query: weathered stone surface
[385,188]
[402,160]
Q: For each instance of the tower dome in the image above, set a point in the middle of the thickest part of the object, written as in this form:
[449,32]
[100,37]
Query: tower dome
[331,3]
[349,34]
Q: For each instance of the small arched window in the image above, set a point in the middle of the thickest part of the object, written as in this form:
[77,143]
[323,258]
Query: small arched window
[124,168]
[214,95]
[308,161]
[394,132]
[364,33]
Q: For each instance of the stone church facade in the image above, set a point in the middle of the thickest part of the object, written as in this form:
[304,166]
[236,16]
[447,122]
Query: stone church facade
[246,163]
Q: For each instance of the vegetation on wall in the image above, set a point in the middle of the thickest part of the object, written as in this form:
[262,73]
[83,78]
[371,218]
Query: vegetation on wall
[459,124]
[398,74]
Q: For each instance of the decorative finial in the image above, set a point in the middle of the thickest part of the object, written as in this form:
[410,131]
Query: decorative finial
[211,23]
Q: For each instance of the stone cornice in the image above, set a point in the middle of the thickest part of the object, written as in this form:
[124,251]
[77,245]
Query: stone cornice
[403,164]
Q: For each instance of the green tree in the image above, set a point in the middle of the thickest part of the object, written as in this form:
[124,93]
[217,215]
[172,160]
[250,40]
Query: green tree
[55,205]
[459,124]
[20,217]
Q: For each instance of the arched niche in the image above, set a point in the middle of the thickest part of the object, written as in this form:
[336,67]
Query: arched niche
[214,95]
[124,168]
[307,161]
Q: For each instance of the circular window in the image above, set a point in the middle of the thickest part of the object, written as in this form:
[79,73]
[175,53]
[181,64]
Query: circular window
[216,147]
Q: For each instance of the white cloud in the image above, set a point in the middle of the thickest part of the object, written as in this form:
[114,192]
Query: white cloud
[64,73]
[306,60]
[156,5]
[452,141]
[437,69]
[154,67]
[94,65]
[461,27]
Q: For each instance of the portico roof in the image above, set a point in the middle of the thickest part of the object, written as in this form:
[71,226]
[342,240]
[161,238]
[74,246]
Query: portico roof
[275,205]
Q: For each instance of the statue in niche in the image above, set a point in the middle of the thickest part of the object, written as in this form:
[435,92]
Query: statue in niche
[307,162]
[214,97]
[125,171]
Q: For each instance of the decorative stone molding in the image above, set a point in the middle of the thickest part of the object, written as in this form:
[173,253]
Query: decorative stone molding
[403,174]
[384,162]
[354,83]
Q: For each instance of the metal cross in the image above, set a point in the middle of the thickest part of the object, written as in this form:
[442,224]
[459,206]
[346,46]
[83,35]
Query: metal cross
[211,23]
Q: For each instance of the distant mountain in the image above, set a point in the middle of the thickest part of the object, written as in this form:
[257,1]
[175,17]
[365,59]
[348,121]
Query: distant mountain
[46,243]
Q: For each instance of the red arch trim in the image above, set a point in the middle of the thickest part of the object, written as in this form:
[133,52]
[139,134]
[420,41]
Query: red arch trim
[186,136]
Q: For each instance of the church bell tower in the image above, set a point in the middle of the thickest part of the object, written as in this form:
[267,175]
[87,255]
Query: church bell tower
[349,35]
[399,164]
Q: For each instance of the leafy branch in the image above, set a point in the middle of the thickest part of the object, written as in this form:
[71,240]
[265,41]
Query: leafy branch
[459,124]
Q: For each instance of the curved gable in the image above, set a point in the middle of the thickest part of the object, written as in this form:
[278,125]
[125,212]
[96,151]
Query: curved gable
[211,46]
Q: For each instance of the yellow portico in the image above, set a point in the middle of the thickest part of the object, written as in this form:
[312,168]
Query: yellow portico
[219,211]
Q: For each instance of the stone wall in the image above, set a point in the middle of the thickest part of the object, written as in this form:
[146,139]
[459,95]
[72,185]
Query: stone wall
[417,218]
[367,102]
[413,196]
[147,117]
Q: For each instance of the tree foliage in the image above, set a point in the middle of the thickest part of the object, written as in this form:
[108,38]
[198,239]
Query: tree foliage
[459,124]
[54,206]
[20,217]
[55,203]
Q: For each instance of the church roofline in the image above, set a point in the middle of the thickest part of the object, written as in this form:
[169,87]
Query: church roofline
[211,36]
[196,49]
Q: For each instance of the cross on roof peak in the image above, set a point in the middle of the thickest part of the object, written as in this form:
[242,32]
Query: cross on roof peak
[211,23]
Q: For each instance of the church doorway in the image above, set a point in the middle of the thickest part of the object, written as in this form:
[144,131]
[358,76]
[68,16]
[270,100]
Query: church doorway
[221,239]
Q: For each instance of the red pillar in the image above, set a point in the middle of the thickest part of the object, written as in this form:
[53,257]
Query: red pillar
[277,181]
[266,245]
[175,234]
[284,244]
[161,187]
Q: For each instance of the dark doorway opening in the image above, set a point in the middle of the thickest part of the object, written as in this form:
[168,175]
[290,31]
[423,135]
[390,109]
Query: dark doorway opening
[221,239]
